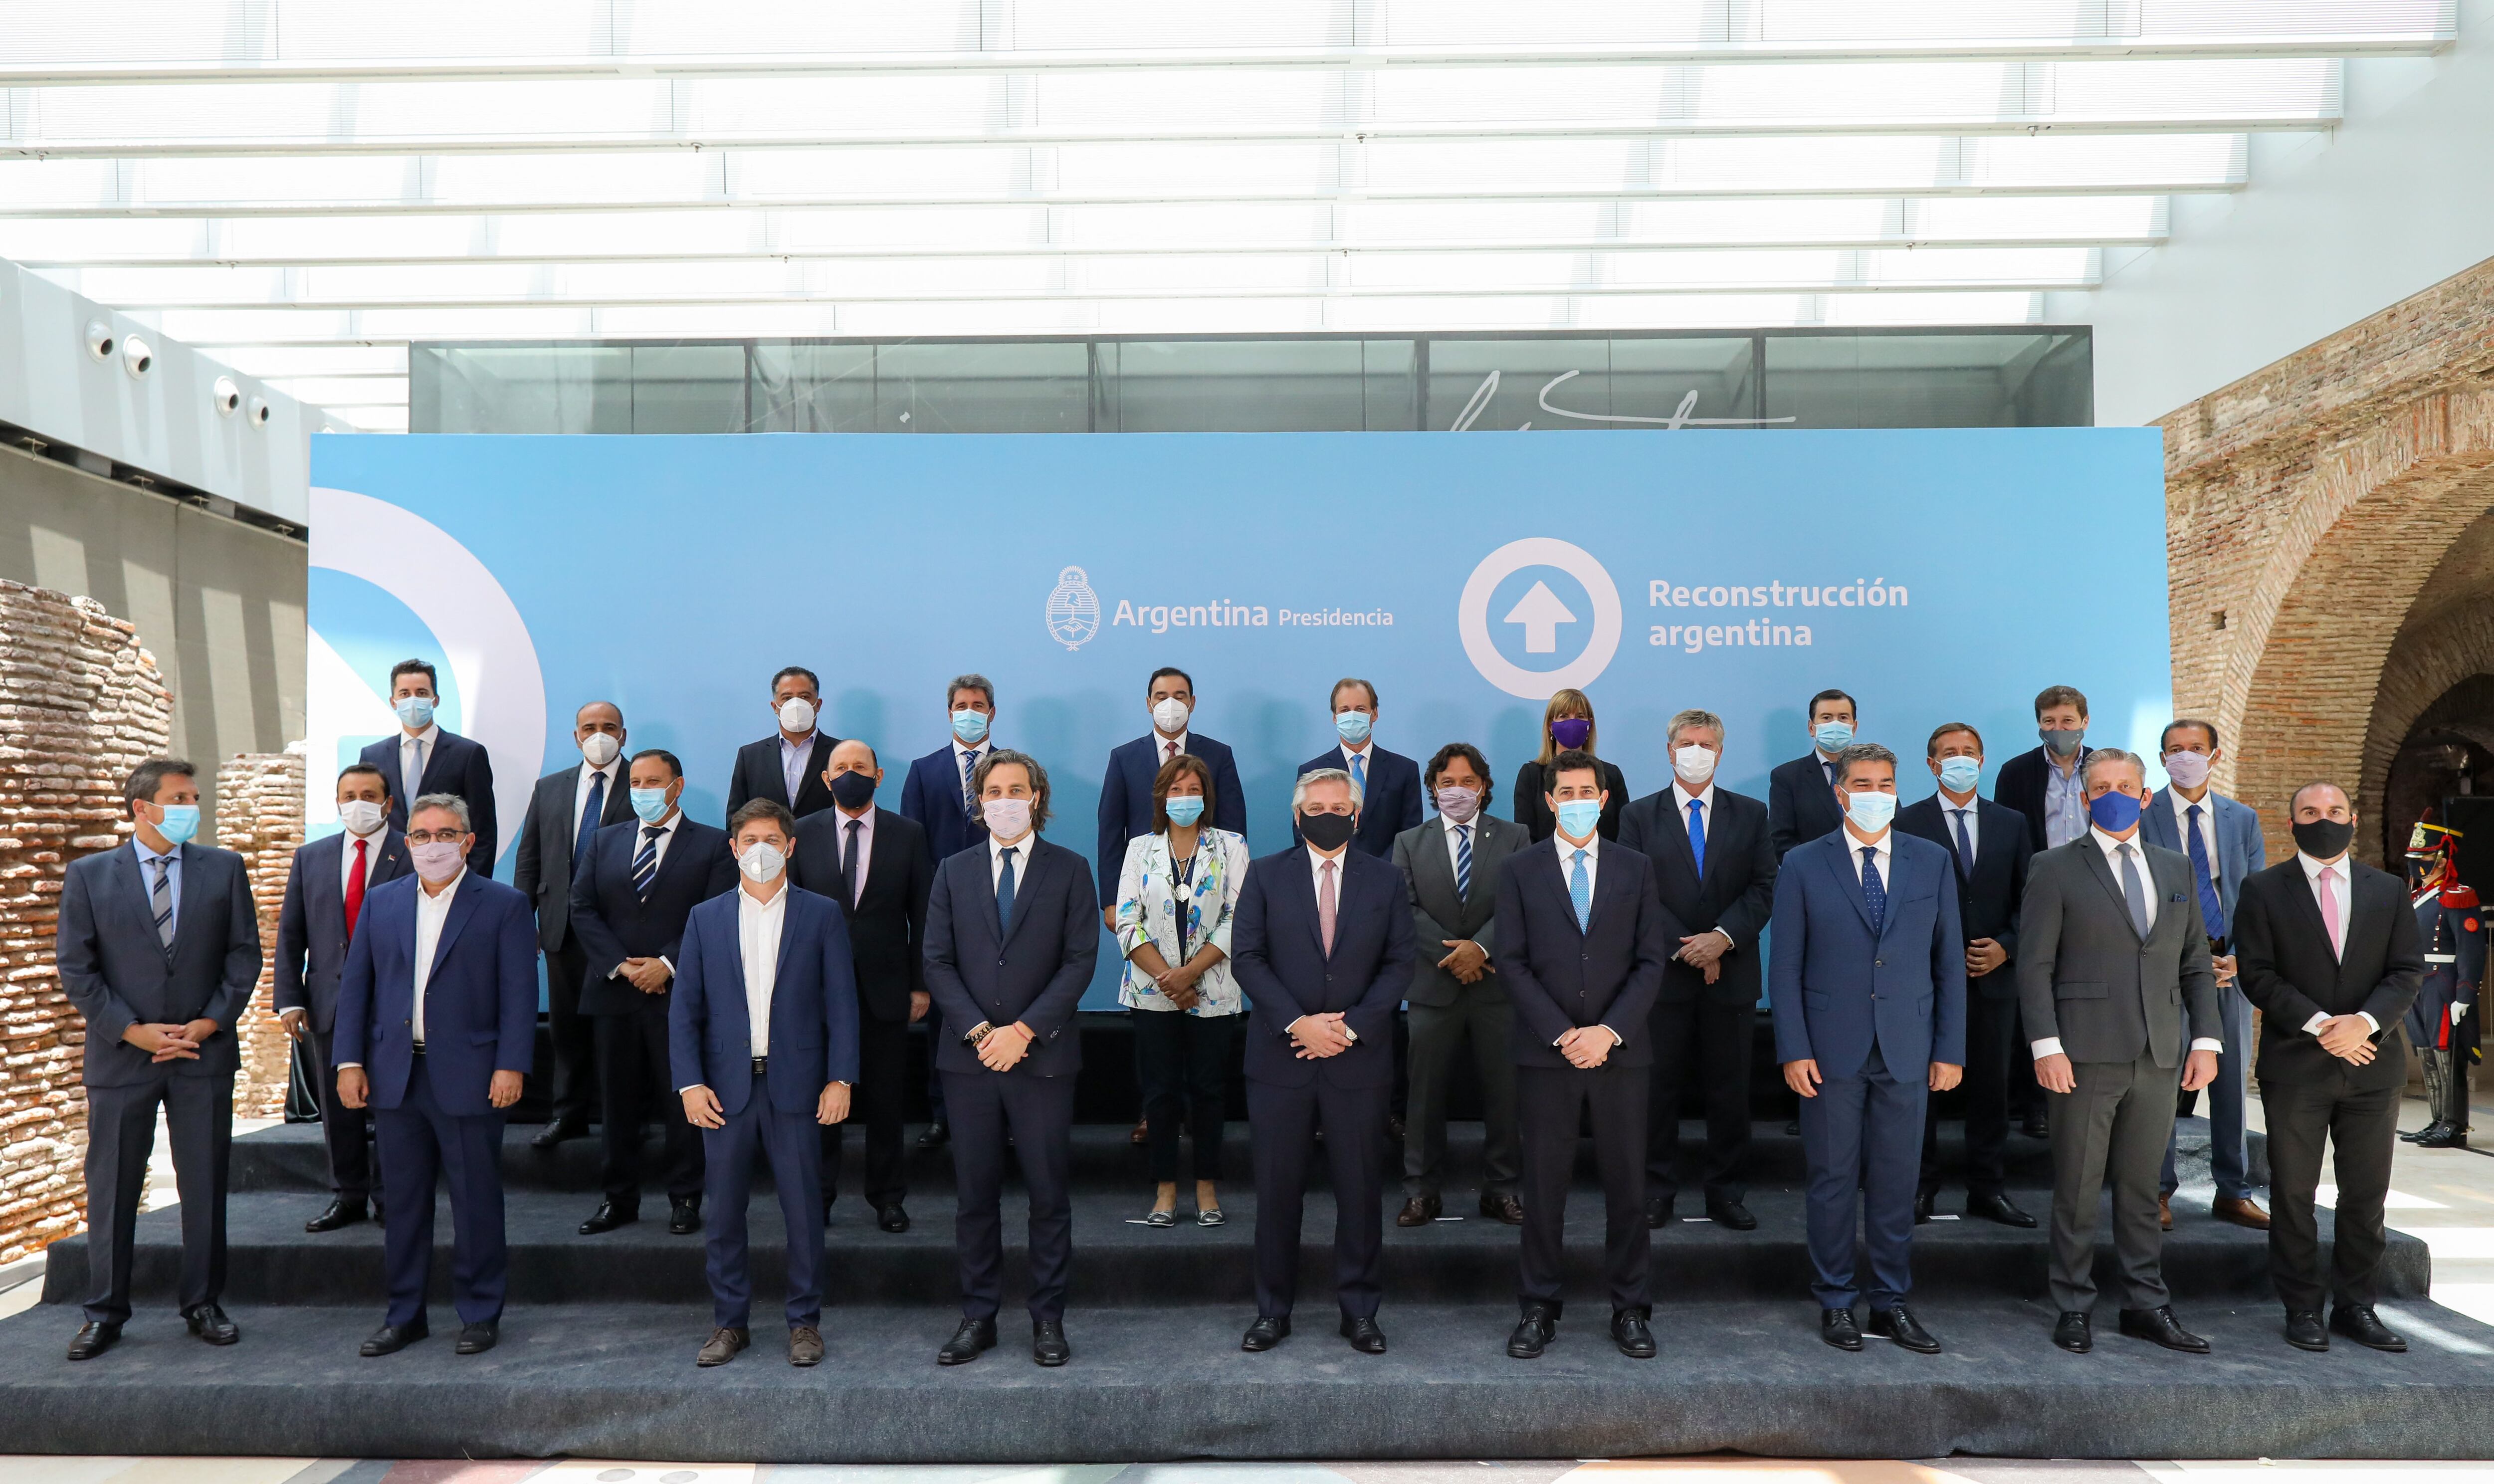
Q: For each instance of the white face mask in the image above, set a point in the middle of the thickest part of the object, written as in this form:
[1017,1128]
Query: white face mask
[436,861]
[2190,770]
[361,816]
[1007,819]
[600,749]
[796,715]
[1694,765]
[1170,715]
[761,863]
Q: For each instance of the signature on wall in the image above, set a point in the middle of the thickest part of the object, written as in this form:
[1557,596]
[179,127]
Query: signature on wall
[1679,417]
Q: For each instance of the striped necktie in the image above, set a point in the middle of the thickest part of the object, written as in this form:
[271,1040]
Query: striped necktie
[1463,860]
[969,794]
[645,866]
[161,898]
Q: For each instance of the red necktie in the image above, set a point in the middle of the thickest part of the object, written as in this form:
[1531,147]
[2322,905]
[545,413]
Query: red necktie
[355,889]
[1171,748]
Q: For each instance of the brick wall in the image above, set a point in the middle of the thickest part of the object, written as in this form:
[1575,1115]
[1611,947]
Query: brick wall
[259,816]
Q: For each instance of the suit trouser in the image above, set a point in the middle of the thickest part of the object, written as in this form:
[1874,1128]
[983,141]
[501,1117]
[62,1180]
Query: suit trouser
[2229,1141]
[345,1132]
[1488,1017]
[1989,1062]
[1862,1139]
[1549,1103]
[632,1077]
[785,1142]
[1185,1063]
[1038,1113]
[882,1070]
[2363,1127]
[120,1138]
[573,1087]
[2111,1128]
[1282,1124]
[1707,1039]
[421,1146]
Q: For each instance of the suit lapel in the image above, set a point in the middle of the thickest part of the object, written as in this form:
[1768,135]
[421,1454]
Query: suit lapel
[1677,835]
[2102,869]
[195,899]
[135,880]
[393,856]
[1433,868]
[787,941]
[1556,875]
[463,906]
[1029,873]
[1841,866]
[678,849]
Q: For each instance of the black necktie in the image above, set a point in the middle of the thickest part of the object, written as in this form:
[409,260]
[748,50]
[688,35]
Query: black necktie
[849,860]
[589,814]
[1965,847]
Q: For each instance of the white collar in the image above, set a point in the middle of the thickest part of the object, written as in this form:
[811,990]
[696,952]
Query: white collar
[1160,743]
[1348,750]
[997,848]
[431,734]
[1854,844]
[747,901]
[2109,845]
[1680,795]
[1452,826]
[962,748]
[668,826]
[441,898]
[1317,860]
[1593,847]
[2312,868]
[147,855]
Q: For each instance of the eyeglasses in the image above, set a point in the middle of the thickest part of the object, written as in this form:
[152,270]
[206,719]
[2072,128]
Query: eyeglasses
[431,837]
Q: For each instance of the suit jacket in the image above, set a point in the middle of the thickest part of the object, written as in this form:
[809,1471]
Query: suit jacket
[932,797]
[1800,805]
[1533,810]
[1839,988]
[481,1001]
[1033,970]
[457,765]
[2288,971]
[1560,977]
[887,925]
[1440,916]
[1737,892]
[1126,798]
[615,921]
[758,775]
[2085,976]
[1988,899]
[1389,803]
[115,971]
[813,1006]
[1278,948]
[2240,850]
[2019,785]
[542,866]
[312,921]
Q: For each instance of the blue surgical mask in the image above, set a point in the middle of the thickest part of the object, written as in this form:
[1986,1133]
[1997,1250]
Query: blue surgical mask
[413,711]
[969,726]
[651,803]
[1578,818]
[1352,725]
[1959,775]
[1184,808]
[1832,736]
[181,821]
[2113,811]
[1870,811]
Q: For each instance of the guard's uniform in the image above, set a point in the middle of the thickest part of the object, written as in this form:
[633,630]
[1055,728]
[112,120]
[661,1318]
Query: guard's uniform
[2442,1022]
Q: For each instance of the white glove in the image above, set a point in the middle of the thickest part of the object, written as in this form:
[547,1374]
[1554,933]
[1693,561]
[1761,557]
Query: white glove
[2458,1012]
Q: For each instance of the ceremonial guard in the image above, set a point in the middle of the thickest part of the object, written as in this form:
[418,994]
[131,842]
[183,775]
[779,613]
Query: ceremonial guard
[2441,1021]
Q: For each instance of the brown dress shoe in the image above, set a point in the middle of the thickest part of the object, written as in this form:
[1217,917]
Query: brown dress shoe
[1503,1208]
[1418,1211]
[723,1347]
[1142,1132]
[2165,1212]
[2241,1210]
[805,1346]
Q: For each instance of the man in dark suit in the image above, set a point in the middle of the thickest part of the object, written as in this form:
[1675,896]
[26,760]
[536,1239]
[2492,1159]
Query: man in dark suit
[1801,795]
[2045,785]
[437,1027]
[631,895]
[1987,851]
[759,1088]
[425,759]
[2331,953]
[1582,941]
[1126,792]
[157,946]
[325,895]
[1450,868]
[873,863]
[937,796]
[2117,995]
[1321,942]
[1713,860]
[1389,783]
[1010,946]
[1870,1011]
[568,807]
[787,768]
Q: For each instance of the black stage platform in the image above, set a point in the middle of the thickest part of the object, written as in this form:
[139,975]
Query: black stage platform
[598,1348]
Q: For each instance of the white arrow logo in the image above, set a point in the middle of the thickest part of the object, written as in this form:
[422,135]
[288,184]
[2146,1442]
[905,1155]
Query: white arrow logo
[1540,613]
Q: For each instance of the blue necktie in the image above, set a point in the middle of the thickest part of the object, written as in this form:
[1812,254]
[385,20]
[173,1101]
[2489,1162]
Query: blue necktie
[589,814]
[1965,847]
[1580,891]
[1005,889]
[645,865]
[1697,832]
[1359,771]
[1874,892]
[1463,860]
[969,796]
[2212,908]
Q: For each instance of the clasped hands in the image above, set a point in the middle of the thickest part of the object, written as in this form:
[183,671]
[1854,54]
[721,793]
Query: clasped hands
[1319,1036]
[1177,984]
[1586,1046]
[1705,952]
[650,976]
[2348,1039]
[165,1043]
[1465,960]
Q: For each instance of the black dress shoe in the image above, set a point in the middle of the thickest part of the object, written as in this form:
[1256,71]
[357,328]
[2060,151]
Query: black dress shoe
[974,1336]
[1394,1130]
[1999,1208]
[1534,1331]
[1632,1335]
[893,1218]
[2074,1333]
[93,1339]
[2305,1331]
[2359,1324]
[1732,1214]
[1266,1333]
[1048,1343]
[683,1217]
[1924,1201]
[557,1132]
[477,1339]
[1792,1128]
[1658,1211]
[2447,1136]
[2159,1325]
[1363,1334]
[340,1213]
[1418,1211]
[209,1323]
[609,1215]
[2036,1126]
[2410,1135]
[1898,1323]
[390,1339]
[1835,1326]
[935,1137]
[1501,1208]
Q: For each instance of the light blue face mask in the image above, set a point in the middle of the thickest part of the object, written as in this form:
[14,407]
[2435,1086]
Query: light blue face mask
[1184,808]
[1870,811]
[181,821]
[969,726]
[1578,818]
[1832,736]
[1352,725]
[651,803]
[413,711]
[1959,775]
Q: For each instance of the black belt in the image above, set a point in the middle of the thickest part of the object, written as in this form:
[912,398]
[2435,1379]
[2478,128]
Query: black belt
[419,1048]
[761,1064]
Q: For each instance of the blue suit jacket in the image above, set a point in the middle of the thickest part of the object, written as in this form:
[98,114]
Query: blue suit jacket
[481,1001]
[1033,971]
[1277,949]
[932,796]
[2241,851]
[1833,986]
[1389,803]
[813,1006]
[458,764]
[1126,798]
[312,923]
[1561,975]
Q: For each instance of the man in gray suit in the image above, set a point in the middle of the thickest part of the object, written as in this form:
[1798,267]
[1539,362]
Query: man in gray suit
[2112,980]
[568,806]
[1449,865]
[159,948]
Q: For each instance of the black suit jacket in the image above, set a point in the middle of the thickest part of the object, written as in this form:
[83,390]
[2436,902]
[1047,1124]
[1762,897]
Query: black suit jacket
[541,866]
[1738,893]
[1389,803]
[1801,806]
[2019,785]
[1033,970]
[457,765]
[312,921]
[1560,977]
[1277,948]
[758,775]
[888,924]
[1126,798]
[1532,811]
[1988,899]
[115,969]
[2288,972]
[616,923]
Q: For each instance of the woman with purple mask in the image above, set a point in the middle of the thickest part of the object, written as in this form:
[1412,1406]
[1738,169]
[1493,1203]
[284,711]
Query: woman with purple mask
[1567,721]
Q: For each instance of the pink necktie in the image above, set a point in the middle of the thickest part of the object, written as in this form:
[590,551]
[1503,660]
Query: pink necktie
[2329,912]
[1325,905]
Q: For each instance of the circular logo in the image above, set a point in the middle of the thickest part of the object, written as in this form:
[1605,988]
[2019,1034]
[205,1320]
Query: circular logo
[1073,609]
[1541,616]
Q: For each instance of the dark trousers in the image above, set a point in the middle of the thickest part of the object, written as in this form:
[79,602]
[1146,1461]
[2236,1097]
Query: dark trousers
[1708,1041]
[120,1137]
[785,1143]
[1185,1065]
[2229,1136]
[420,1147]
[1283,1124]
[632,1085]
[2112,1127]
[1989,1060]
[347,1132]
[883,1069]
[934,1023]
[1038,1113]
[1487,1018]
[2363,1127]
[573,1085]
[1550,1102]
[1862,1139]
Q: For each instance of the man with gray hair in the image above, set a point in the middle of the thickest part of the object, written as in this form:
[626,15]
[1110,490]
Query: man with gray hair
[2118,997]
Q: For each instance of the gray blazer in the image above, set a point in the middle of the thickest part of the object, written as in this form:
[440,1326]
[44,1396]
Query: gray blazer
[2083,973]
[1439,915]
[542,866]
[312,923]
[118,974]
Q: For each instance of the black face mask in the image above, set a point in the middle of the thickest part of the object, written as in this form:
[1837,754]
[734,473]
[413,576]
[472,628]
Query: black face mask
[2323,839]
[853,790]
[1326,832]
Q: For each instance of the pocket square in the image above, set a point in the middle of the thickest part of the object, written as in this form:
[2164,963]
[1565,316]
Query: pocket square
[2175,897]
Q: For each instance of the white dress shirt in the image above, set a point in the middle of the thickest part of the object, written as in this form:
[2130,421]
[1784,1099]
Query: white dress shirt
[415,756]
[1021,849]
[612,773]
[2137,845]
[1451,827]
[347,857]
[2339,885]
[431,910]
[793,758]
[1160,747]
[1972,812]
[757,941]
[863,823]
[1879,849]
